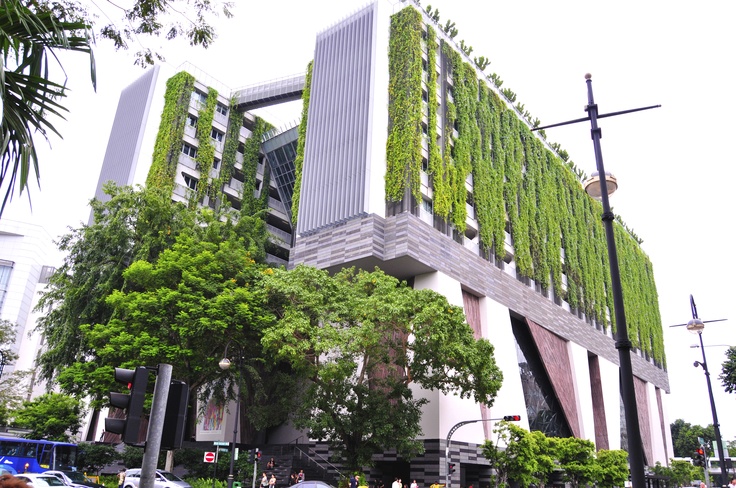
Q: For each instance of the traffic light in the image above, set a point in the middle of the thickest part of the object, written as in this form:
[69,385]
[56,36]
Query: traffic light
[175,419]
[258,455]
[251,456]
[129,426]
[512,418]
[699,457]
[450,468]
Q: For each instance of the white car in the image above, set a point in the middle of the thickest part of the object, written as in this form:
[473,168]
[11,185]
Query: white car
[164,479]
[35,480]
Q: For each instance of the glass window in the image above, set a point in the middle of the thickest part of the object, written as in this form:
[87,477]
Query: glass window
[6,267]
[189,150]
[221,109]
[190,181]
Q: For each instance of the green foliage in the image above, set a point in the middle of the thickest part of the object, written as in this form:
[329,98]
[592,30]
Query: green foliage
[250,204]
[678,473]
[576,458]
[31,35]
[13,386]
[403,148]
[205,147]
[299,161]
[50,416]
[555,227]
[93,457]
[685,437]
[167,148]
[612,468]
[132,225]
[202,482]
[348,335]
[728,371]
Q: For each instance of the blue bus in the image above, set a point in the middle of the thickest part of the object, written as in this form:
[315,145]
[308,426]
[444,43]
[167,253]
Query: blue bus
[31,456]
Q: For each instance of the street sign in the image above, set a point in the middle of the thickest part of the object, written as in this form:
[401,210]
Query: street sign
[223,449]
[221,443]
[209,457]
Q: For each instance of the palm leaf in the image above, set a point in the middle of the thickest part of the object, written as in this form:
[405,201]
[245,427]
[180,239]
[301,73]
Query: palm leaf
[28,39]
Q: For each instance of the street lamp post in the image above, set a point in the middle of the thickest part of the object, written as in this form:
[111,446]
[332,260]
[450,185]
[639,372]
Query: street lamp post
[600,186]
[696,326]
[510,418]
[225,364]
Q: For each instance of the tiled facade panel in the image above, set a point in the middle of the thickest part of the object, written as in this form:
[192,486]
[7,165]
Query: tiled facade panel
[642,407]
[471,306]
[335,163]
[373,240]
[553,351]
[599,410]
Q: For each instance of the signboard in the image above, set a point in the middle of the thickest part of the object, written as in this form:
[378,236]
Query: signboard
[221,443]
[209,457]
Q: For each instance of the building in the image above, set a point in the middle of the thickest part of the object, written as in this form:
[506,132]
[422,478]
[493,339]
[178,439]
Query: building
[416,162]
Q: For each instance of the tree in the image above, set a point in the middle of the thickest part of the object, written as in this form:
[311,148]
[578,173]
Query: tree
[52,416]
[576,457]
[728,371]
[94,457]
[612,468]
[685,437]
[14,385]
[679,473]
[133,225]
[516,456]
[359,340]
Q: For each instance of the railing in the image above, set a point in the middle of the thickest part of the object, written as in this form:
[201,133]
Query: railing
[300,453]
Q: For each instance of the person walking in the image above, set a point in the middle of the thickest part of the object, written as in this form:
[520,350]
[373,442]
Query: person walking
[300,476]
[272,481]
[264,481]
[415,485]
[121,478]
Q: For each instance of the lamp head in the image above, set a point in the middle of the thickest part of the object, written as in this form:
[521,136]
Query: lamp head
[593,184]
[224,364]
[695,326]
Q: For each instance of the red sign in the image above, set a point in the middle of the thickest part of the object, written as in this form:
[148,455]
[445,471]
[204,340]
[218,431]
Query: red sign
[209,457]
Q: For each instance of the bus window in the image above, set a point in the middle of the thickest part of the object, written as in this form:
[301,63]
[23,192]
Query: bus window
[65,458]
[44,456]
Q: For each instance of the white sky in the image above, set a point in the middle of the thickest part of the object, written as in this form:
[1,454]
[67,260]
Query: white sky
[674,166]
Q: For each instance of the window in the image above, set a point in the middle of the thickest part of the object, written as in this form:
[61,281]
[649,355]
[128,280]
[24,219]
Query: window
[199,97]
[216,163]
[221,109]
[6,267]
[217,135]
[191,120]
[190,181]
[189,150]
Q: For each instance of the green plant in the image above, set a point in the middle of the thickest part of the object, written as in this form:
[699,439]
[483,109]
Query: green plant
[299,161]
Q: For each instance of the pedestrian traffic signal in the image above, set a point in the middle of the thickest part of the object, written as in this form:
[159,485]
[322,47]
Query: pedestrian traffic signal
[512,418]
[251,455]
[128,426]
[451,467]
[258,455]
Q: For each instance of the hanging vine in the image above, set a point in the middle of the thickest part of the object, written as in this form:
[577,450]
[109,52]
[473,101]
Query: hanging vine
[168,144]
[300,145]
[206,147]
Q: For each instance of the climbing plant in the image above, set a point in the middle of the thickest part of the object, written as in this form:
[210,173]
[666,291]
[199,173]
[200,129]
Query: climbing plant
[519,184]
[300,145]
[403,147]
[251,157]
[171,131]
[206,147]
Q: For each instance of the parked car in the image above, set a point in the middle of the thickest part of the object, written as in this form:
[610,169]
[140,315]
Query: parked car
[164,479]
[312,484]
[74,478]
[38,480]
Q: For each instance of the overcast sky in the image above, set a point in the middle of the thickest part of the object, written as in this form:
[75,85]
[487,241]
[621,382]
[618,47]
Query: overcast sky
[674,165]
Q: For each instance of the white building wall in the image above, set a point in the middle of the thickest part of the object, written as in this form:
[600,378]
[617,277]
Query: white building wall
[611,401]
[583,394]
[496,323]
[655,427]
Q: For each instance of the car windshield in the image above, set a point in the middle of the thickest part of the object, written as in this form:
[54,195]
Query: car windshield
[75,476]
[51,480]
[170,476]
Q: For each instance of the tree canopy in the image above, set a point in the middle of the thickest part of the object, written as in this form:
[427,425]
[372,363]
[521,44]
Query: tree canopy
[361,340]
[52,416]
[728,371]
[685,437]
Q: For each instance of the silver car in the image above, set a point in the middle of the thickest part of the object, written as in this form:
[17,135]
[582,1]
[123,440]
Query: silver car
[164,479]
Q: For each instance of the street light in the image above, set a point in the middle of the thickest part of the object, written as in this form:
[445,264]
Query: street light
[508,418]
[696,326]
[225,364]
[600,188]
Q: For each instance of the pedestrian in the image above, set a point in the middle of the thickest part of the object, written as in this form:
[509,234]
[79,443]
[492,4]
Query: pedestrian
[271,463]
[300,476]
[121,478]
[354,481]
[264,481]
[703,485]
[272,481]
[293,478]
[415,485]
[733,483]
[396,483]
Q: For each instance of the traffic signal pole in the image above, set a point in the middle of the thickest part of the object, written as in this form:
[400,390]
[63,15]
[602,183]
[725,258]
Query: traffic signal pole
[156,426]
